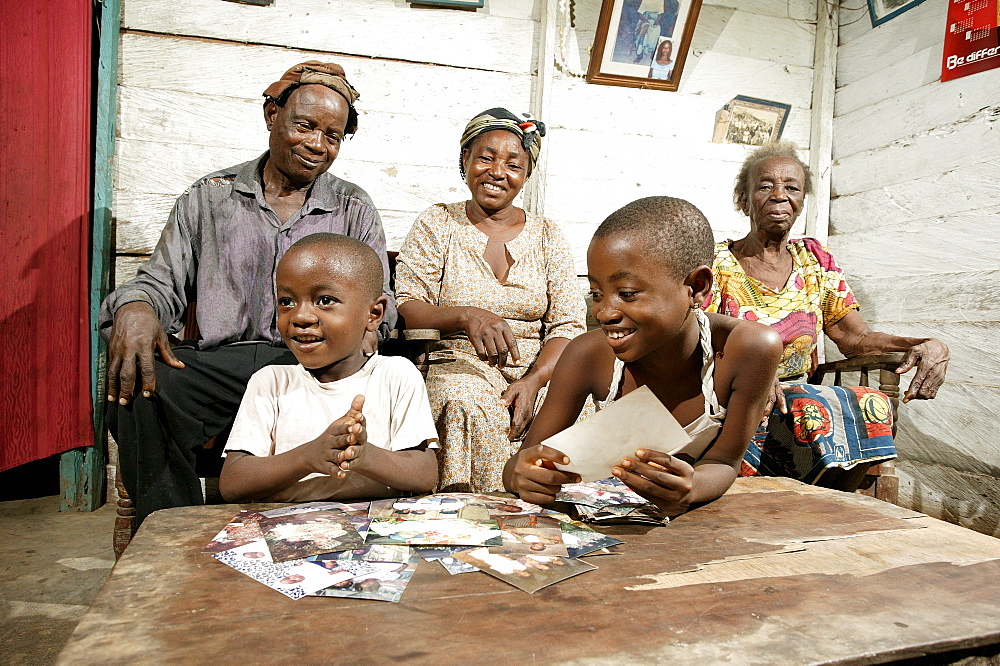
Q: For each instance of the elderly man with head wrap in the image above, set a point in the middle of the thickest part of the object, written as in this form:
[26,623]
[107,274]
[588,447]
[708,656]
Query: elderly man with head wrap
[501,286]
[219,248]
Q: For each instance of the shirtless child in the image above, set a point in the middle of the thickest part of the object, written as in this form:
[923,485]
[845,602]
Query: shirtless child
[339,424]
[648,267]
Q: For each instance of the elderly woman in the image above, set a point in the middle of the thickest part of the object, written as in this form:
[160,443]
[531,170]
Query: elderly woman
[797,288]
[500,285]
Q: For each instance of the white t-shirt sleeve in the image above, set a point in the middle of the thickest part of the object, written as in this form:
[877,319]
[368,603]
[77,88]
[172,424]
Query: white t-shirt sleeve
[254,427]
[410,419]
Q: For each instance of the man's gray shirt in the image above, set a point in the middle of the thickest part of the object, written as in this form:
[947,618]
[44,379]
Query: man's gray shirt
[221,246]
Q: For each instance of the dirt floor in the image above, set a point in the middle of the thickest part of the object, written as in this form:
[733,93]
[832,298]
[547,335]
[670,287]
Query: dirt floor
[52,565]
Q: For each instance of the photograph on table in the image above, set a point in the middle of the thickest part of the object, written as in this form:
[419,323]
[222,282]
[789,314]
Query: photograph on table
[445,555]
[294,579]
[239,531]
[372,553]
[580,540]
[606,492]
[532,534]
[881,11]
[750,121]
[642,43]
[525,572]
[468,506]
[420,531]
[297,536]
[380,581]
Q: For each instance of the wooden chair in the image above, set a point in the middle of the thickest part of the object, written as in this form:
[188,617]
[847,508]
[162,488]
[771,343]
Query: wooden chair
[879,481]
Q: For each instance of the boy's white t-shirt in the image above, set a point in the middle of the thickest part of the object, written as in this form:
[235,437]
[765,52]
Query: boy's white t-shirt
[284,406]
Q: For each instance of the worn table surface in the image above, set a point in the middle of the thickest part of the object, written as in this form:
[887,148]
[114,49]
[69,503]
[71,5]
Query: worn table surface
[773,572]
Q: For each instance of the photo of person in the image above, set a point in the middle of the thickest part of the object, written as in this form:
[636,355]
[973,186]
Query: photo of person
[532,534]
[606,492]
[380,581]
[752,127]
[294,579]
[581,540]
[241,530]
[525,572]
[434,531]
[662,66]
[296,536]
[642,25]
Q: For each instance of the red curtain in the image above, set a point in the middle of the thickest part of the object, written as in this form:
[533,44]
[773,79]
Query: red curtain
[45,405]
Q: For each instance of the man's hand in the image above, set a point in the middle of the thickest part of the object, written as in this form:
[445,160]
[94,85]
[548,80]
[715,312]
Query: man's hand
[520,398]
[135,336]
[931,359]
[536,479]
[491,336]
[664,480]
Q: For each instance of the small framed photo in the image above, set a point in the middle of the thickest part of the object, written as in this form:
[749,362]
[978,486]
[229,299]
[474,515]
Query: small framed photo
[883,10]
[750,121]
[642,43]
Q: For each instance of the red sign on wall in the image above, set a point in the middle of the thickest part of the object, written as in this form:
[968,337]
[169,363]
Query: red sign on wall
[971,38]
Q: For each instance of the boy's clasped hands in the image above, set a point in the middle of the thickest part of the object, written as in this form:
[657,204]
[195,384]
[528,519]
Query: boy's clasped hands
[665,480]
[341,446]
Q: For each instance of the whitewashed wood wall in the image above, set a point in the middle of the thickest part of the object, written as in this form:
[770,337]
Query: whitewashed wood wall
[914,221]
[192,72]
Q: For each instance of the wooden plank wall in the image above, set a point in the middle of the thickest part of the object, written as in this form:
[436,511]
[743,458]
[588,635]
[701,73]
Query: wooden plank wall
[612,145]
[192,72]
[913,221]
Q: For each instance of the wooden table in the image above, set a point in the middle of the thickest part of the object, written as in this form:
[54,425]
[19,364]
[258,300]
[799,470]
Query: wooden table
[773,572]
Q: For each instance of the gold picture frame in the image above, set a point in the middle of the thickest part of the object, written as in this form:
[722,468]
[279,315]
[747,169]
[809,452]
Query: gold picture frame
[643,43]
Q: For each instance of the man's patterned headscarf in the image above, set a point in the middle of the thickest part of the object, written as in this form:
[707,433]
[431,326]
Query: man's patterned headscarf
[328,74]
[527,129]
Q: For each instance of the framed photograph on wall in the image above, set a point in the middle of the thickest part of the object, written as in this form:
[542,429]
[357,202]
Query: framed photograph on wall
[883,10]
[750,121]
[642,43]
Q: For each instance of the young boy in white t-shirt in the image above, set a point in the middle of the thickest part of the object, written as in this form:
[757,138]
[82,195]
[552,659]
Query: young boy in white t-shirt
[339,424]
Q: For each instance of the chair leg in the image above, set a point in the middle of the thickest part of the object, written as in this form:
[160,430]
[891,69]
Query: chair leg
[887,485]
[124,521]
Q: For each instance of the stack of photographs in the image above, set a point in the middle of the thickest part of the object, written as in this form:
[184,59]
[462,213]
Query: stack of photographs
[370,550]
[314,549]
[610,501]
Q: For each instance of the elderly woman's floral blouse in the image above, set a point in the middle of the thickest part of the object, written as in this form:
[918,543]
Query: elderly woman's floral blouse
[814,297]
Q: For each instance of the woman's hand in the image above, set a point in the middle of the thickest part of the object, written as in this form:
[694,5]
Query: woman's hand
[664,480]
[490,336]
[520,399]
[776,396]
[535,478]
[931,359]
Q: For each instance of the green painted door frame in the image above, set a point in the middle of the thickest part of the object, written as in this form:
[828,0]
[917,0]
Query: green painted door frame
[82,476]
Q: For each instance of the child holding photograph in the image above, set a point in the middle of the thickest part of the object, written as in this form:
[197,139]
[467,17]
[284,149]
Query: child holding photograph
[339,424]
[648,267]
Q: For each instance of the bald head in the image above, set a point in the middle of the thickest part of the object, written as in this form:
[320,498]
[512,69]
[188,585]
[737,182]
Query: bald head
[349,255]
[673,230]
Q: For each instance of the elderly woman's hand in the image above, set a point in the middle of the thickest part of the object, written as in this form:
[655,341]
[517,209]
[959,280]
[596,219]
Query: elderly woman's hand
[931,360]
[490,336]
[776,396]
